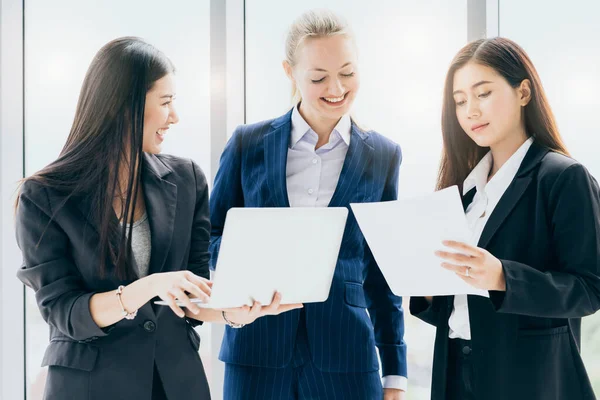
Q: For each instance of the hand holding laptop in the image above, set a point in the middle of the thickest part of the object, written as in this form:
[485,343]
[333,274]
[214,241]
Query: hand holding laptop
[246,315]
[185,286]
[238,315]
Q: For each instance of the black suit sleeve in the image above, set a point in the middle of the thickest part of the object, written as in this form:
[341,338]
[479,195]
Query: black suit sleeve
[226,193]
[570,288]
[60,293]
[199,254]
[424,310]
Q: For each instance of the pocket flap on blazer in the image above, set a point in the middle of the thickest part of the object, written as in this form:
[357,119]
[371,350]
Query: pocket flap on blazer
[544,332]
[355,295]
[68,354]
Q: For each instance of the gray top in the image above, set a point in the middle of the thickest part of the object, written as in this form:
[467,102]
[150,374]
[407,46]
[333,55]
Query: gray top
[141,244]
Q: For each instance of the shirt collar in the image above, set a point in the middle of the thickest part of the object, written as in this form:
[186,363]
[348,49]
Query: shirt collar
[502,179]
[478,177]
[300,128]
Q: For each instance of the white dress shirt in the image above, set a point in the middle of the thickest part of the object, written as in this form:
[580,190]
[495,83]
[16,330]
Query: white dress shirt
[312,176]
[478,212]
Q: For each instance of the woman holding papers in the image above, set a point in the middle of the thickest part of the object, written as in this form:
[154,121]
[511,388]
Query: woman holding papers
[94,280]
[535,246]
[316,156]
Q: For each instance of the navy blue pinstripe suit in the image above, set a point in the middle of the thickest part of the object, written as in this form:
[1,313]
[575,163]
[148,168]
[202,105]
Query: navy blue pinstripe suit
[338,336]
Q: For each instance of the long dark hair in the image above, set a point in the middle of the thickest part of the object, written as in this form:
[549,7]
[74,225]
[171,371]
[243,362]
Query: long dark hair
[460,153]
[106,138]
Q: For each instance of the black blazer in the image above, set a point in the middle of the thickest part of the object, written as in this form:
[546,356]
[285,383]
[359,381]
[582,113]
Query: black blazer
[86,362]
[526,341]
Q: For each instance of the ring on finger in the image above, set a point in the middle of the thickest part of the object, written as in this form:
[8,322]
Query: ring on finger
[467,272]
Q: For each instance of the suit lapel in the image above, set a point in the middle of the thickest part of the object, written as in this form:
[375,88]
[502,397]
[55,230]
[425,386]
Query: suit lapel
[276,143]
[513,194]
[161,201]
[506,204]
[358,157]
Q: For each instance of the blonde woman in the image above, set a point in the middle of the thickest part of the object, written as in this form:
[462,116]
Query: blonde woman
[316,156]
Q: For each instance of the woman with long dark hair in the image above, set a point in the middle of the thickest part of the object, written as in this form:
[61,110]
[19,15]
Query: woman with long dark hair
[534,213]
[111,225]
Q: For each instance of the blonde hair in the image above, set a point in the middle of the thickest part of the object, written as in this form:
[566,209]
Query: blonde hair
[312,24]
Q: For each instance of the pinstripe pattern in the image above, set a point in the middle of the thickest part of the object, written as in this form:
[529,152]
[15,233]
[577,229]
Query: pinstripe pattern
[302,383]
[340,334]
[299,380]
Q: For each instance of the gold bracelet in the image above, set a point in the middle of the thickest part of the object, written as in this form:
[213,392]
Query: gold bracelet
[126,314]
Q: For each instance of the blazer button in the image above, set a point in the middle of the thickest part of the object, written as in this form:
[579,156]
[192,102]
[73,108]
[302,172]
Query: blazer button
[149,326]
[466,350]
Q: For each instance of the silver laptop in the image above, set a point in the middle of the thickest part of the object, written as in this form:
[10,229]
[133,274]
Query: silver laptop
[290,250]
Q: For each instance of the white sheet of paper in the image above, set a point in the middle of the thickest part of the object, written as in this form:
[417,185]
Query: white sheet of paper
[403,236]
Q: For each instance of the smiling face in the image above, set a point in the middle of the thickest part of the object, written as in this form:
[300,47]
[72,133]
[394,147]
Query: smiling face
[159,113]
[326,76]
[488,109]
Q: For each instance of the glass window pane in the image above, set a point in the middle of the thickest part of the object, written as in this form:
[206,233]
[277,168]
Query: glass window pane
[568,61]
[405,48]
[61,39]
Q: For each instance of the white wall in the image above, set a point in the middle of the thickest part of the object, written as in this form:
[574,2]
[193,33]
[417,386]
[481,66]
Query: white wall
[11,170]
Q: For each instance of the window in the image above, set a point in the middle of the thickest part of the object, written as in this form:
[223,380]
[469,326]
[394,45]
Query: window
[404,47]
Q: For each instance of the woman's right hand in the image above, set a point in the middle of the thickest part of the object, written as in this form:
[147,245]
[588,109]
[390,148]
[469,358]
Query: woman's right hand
[180,285]
[246,315]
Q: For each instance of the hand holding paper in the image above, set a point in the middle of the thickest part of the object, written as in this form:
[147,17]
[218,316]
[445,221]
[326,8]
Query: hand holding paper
[476,266]
[404,236]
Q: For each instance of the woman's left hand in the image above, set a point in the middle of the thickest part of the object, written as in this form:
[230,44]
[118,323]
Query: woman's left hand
[476,266]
